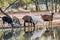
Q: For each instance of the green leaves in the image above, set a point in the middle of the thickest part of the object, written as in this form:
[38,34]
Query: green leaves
[5,2]
[27,1]
[1,3]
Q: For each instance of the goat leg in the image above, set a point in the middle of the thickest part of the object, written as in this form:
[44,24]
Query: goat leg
[24,27]
[34,26]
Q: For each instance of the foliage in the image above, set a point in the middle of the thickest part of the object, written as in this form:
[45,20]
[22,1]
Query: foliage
[1,3]
[27,1]
[5,2]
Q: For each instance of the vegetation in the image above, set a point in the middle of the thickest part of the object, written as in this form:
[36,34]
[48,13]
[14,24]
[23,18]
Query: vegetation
[25,4]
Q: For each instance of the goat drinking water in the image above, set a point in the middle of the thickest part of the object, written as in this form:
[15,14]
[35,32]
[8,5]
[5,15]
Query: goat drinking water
[29,20]
[7,19]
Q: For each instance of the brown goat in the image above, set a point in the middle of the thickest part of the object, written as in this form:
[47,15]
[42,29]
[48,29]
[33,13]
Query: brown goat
[48,18]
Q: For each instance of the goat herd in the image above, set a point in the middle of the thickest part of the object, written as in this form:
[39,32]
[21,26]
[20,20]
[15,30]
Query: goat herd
[27,19]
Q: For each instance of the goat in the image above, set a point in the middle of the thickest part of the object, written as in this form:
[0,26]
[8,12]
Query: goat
[48,18]
[16,20]
[7,19]
[29,20]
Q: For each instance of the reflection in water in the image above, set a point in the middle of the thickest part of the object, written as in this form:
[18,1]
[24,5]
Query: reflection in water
[16,34]
[7,35]
[20,35]
[27,35]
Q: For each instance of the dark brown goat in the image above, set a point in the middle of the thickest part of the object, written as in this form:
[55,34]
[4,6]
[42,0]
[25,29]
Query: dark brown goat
[28,19]
[7,19]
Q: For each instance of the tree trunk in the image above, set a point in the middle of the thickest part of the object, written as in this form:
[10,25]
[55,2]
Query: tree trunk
[56,6]
[26,7]
[10,5]
[59,5]
[59,8]
[47,4]
[37,5]
[52,5]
